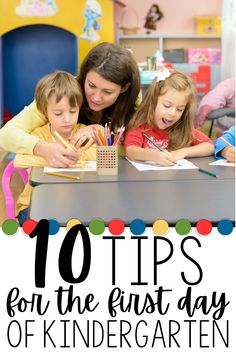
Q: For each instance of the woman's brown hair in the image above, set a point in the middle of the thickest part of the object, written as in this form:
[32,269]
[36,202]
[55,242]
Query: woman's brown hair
[117,65]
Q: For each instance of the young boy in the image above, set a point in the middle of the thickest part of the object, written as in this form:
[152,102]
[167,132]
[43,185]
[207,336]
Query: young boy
[58,97]
[225,146]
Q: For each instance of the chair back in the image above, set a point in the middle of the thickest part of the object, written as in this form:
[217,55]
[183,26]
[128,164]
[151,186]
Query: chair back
[6,187]
[202,79]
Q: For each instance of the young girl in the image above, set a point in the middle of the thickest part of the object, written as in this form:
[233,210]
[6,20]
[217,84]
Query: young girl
[166,117]
[58,97]
[110,83]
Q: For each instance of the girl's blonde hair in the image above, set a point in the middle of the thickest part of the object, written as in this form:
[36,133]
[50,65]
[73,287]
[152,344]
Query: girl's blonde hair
[181,133]
[60,84]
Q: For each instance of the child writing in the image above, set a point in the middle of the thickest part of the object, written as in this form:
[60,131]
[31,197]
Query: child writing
[58,97]
[225,146]
[166,117]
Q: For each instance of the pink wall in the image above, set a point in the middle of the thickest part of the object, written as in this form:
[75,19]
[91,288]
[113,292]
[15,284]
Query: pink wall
[178,15]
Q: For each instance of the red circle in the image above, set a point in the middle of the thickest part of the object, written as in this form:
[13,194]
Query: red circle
[204,227]
[116,227]
[28,226]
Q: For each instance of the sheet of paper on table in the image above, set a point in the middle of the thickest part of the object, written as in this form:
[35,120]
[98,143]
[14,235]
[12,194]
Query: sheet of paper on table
[149,165]
[222,162]
[87,167]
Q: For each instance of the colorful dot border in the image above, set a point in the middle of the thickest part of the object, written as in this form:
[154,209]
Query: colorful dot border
[116,227]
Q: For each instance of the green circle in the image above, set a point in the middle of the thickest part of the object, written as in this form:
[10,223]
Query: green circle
[10,227]
[183,227]
[96,226]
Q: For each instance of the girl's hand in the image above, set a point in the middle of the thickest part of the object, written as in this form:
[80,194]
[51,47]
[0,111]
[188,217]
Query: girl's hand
[83,137]
[56,155]
[229,153]
[164,158]
[178,154]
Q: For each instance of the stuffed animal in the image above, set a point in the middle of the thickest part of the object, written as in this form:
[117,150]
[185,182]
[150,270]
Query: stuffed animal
[154,14]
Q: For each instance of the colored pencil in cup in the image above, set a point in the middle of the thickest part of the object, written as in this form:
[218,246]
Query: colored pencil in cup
[119,135]
[101,137]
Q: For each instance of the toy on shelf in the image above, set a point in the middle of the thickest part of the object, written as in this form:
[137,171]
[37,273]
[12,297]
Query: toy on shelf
[154,14]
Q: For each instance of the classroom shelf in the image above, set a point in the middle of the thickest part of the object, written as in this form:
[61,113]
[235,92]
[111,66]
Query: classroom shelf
[162,37]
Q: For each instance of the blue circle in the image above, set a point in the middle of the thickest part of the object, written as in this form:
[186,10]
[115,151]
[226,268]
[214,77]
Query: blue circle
[137,227]
[53,227]
[225,227]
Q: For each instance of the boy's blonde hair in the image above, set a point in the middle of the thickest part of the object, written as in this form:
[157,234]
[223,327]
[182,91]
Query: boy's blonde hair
[60,84]
[181,133]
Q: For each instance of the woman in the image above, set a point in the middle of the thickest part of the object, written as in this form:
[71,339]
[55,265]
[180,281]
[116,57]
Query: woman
[110,82]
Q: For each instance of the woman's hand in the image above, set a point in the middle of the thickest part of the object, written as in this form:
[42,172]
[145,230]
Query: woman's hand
[56,155]
[84,137]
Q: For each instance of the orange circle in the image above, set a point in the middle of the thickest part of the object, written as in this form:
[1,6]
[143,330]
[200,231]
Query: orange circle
[160,227]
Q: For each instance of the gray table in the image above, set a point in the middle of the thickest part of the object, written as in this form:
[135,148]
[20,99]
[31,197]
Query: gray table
[128,172]
[195,199]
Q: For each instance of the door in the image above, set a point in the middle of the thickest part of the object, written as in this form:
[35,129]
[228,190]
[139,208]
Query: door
[29,53]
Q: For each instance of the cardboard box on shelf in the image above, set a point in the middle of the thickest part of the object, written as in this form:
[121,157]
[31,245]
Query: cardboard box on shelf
[204,55]
[208,24]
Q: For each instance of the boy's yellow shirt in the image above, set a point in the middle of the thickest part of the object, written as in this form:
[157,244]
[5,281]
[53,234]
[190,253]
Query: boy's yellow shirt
[27,160]
[16,136]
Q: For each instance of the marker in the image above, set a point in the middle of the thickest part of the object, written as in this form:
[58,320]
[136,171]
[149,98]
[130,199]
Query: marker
[207,172]
[62,175]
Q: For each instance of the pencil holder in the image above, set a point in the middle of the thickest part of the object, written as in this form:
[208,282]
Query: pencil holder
[107,160]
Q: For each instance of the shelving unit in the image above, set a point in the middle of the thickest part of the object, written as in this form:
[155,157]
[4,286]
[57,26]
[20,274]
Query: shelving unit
[144,45]
[162,39]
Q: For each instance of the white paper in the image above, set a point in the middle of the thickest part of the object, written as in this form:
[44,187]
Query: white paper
[89,166]
[222,162]
[149,165]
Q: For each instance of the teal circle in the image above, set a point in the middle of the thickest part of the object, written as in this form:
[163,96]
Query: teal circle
[225,227]
[96,226]
[54,227]
[183,227]
[137,227]
[10,227]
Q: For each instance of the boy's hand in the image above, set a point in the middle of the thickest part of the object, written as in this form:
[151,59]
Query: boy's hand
[229,153]
[56,155]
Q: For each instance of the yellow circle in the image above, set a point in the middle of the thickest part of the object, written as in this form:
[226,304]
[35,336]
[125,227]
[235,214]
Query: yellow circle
[160,227]
[71,223]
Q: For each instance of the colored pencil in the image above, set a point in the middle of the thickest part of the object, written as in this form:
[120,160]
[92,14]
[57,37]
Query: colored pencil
[119,135]
[154,144]
[207,172]
[101,137]
[225,141]
[60,138]
[62,175]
